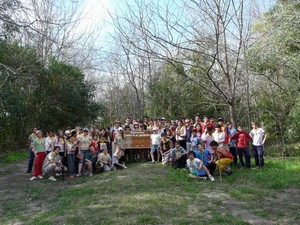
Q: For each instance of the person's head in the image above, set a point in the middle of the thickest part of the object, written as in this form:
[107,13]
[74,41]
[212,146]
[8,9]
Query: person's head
[179,123]
[209,129]
[68,133]
[155,130]
[39,134]
[254,125]
[127,128]
[200,148]
[104,151]
[220,121]
[197,119]
[163,120]
[95,137]
[120,130]
[128,120]
[198,127]
[85,131]
[177,144]
[146,120]
[214,145]
[230,125]
[136,125]
[56,150]
[117,123]
[60,133]
[218,128]
[212,119]
[50,133]
[194,132]
[192,155]
[187,122]
[35,130]
[164,136]
[205,119]
[183,121]
[73,133]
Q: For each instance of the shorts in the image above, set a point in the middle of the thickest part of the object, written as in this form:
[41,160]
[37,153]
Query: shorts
[46,170]
[154,148]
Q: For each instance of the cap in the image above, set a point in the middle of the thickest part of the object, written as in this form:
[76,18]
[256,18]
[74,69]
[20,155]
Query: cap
[220,119]
[155,128]
[120,128]
[38,132]
[163,118]
[85,129]
[67,132]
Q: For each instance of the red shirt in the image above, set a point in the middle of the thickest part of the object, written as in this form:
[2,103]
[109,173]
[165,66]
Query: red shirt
[243,139]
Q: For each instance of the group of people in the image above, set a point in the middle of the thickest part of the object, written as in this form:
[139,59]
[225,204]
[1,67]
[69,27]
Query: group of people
[202,146]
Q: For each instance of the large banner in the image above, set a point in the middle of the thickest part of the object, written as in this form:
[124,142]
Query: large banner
[137,139]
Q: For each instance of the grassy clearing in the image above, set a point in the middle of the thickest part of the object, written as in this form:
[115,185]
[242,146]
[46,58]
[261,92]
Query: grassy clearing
[154,194]
[13,156]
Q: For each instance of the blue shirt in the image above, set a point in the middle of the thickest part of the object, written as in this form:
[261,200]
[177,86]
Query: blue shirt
[205,157]
[232,132]
[195,142]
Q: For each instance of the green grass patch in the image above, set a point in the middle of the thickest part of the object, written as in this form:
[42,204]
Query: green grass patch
[13,156]
[156,194]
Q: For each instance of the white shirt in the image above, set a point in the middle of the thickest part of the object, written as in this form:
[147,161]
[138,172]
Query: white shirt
[193,165]
[257,136]
[48,143]
[155,139]
[219,137]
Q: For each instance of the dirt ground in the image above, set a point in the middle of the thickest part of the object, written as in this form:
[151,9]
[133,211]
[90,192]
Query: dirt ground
[16,188]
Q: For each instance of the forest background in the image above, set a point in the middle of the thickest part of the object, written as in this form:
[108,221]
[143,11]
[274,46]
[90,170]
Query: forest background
[235,59]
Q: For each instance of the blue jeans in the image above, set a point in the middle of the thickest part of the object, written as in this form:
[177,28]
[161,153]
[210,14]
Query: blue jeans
[31,160]
[258,153]
[246,153]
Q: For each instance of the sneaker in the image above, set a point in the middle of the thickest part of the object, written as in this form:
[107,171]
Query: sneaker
[57,174]
[125,167]
[40,177]
[90,174]
[77,175]
[33,178]
[211,178]
[202,178]
[52,178]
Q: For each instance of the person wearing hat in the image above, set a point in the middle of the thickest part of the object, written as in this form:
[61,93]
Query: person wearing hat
[53,164]
[38,147]
[155,141]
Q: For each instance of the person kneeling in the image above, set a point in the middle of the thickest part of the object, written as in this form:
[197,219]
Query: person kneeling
[104,161]
[178,156]
[196,167]
[223,157]
[53,164]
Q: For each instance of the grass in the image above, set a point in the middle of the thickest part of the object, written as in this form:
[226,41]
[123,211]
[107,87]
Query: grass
[13,156]
[155,194]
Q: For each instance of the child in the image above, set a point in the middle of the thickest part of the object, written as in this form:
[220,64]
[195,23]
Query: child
[178,156]
[155,141]
[195,140]
[196,167]
[207,158]
[243,139]
[104,161]
[165,147]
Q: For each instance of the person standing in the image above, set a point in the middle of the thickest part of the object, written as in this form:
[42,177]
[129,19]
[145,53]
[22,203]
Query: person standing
[259,137]
[31,138]
[49,142]
[243,139]
[38,147]
[181,134]
[232,145]
[189,129]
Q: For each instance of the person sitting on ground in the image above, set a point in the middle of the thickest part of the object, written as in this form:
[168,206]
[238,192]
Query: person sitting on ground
[52,164]
[178,156]
[165,147]
[207,158]
[155,141]
[104,161]
[223,158]
[197,167]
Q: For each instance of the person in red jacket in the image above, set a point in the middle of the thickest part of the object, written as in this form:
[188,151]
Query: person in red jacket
[243,139]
